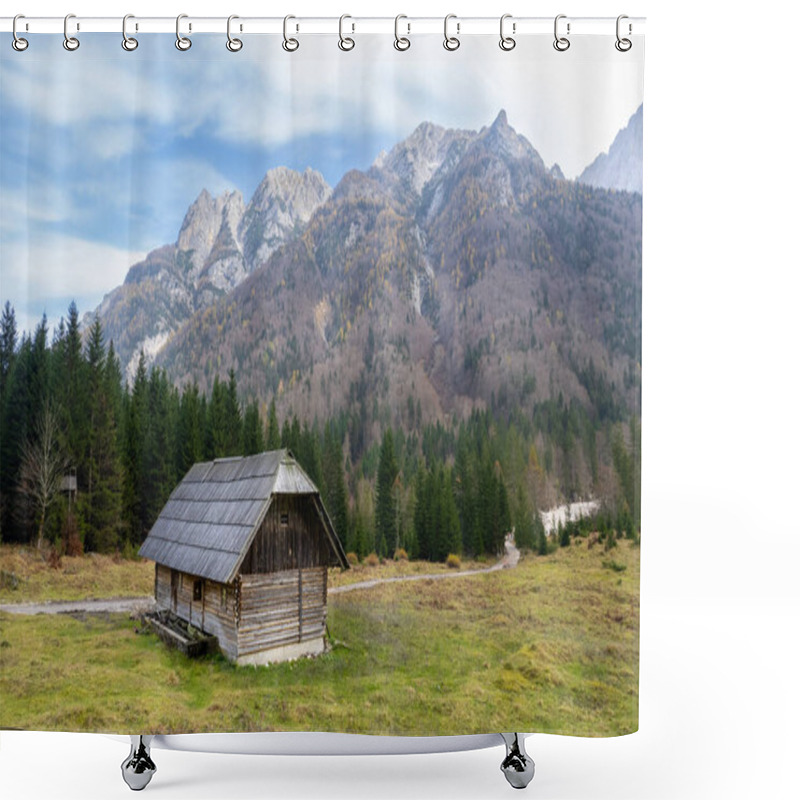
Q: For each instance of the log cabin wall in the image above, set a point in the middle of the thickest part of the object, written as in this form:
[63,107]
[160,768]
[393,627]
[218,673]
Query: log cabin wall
[214,612]
[290,537]
[282,608]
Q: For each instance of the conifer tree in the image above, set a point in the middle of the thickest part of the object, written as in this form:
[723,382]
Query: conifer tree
[385,516]
[252,431]
[273,430]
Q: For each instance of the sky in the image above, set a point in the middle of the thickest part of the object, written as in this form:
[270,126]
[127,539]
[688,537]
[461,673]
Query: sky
[103,150]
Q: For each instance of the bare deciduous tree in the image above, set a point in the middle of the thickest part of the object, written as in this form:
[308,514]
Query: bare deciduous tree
[43,467]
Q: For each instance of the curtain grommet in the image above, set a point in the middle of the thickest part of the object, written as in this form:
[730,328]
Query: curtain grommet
[129,43]
[623,44]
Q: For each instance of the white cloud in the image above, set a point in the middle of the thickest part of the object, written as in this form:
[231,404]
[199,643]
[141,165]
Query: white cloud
[47,272]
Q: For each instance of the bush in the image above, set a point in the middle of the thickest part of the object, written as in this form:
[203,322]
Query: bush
[372,560]
[400,555]
[613,565]
[73,544]
[453,561]
[352,559]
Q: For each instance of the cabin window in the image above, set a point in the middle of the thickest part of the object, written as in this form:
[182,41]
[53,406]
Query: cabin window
[197,594]
[284,518]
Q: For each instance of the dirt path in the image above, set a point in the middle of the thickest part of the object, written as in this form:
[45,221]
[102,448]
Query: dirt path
[125,605]
[111,605]
[508,561]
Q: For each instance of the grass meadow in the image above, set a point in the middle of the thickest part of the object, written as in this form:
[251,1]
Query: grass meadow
[550,646]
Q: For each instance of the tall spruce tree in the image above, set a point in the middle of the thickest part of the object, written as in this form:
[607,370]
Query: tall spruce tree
[252,430]
[385,512]
[273,429]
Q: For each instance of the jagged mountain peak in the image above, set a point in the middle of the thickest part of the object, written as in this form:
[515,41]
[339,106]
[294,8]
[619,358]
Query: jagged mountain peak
[416,159]
[621,167]
[504,141]
[202,222]
[283,200]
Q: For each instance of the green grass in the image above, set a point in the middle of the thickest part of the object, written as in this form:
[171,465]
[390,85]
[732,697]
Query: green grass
[550,646]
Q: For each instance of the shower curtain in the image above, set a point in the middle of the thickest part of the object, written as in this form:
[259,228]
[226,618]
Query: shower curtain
[324,353]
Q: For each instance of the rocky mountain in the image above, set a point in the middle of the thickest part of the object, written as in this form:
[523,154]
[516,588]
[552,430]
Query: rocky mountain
[621,166]
[220,242]
[456,273]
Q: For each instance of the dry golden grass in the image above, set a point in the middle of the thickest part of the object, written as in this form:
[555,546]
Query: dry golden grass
[25,576]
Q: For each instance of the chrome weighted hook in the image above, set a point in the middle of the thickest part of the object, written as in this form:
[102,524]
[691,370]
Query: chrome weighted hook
[234,45]
[18,43]
[346,43]
[561,43]
[507,42]
[181,42]
[128,42]
[451,43]
[70,43]
[401,43]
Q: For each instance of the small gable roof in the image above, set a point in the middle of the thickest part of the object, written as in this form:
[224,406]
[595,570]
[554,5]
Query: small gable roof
[212,516]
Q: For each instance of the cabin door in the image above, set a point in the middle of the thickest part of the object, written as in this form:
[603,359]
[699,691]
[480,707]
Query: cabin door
[174,590]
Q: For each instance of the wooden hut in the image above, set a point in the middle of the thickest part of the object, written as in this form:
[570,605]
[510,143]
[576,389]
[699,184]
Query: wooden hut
[242,550]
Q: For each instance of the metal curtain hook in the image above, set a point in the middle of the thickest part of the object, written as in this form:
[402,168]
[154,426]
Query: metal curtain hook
[18,43]
[623,45]
[289,44]
[128,42]
[346,42]
[507,42]
[451,42]
[561,43]
[234,45]
[181,42]
[70,42]
[401,42]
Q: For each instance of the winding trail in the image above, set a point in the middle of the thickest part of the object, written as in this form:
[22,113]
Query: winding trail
[124,605]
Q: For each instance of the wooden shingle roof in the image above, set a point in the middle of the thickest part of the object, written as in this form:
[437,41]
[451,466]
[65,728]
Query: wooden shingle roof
[210,520]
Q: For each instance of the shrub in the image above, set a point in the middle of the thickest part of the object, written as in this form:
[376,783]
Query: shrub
[613,565]
[372,560]
[453,561]
[400,555]
[352,559]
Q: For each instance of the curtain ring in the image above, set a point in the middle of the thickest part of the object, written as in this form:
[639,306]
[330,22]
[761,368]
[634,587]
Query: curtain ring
[234,45]
[128,42]
[70,42]
[561,43]
[289,44]
[507,42]
[183,43]
[623,45]
[451,42]
[401,43]
[18,43]
[346,43]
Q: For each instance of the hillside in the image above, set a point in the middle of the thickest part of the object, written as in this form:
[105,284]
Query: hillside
[456,273]
[621,167]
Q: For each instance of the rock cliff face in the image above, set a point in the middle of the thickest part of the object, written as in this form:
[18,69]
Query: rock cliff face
[220,242]
[621,167]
